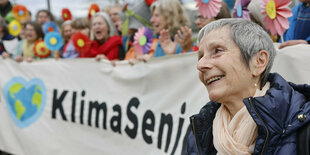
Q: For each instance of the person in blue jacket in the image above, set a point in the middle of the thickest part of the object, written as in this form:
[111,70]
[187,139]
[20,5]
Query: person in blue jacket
[298,31]
[167,18]
[252,111]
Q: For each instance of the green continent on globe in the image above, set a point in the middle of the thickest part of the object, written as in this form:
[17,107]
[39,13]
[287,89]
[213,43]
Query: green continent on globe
[14,89]
[20,109]
[37,97]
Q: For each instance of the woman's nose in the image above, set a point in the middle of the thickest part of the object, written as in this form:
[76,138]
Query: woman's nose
[152,19]
[204,63]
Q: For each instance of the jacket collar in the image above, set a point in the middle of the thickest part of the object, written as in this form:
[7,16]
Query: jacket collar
[276,113]
[281,106]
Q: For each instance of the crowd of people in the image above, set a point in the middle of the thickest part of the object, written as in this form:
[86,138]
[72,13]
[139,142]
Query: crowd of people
[112,30]
[252,111]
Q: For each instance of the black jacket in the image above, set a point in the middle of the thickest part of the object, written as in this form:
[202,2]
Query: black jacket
[4,10]
[282,117]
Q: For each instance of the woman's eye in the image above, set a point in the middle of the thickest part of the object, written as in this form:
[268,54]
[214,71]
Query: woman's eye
[218,50]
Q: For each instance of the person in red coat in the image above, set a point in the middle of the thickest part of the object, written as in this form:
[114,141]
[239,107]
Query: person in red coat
[106,43]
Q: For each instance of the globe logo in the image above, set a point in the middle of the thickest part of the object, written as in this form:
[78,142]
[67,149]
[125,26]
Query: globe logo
[25,101]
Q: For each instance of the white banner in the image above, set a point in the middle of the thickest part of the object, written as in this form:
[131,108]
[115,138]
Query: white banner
[86,107]
[83,107]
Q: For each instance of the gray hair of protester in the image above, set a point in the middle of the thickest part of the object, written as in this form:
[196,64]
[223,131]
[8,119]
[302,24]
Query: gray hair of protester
[250,37]
[107,19]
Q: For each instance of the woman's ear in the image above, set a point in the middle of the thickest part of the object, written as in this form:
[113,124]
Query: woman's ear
[259,62]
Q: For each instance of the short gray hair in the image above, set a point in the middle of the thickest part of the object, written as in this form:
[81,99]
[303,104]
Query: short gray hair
[107,19]
[250,37]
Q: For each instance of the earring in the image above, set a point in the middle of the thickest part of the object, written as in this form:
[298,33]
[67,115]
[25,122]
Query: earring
[255,84]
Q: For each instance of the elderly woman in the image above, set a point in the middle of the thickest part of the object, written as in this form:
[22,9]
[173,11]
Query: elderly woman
[167,18]
[106,44]
[251,110]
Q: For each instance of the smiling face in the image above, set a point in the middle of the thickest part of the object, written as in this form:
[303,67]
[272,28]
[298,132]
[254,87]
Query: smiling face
[67,31]
[221,68]
[43,18]
[100,28]
[157,21]
[31,34]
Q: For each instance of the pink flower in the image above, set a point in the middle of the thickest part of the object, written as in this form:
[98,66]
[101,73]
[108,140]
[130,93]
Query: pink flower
[276,15]
[143,40]
[209,8]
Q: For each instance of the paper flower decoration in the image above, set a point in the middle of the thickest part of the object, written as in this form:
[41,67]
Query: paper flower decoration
[50,27]
[81,42]
[276,15]
[241,9]
[14,28]
[93,9]
[209,8]
[40,49]
[149,2]
[53,41]
[66,14]
[143,40]
[9,17]
[20,12]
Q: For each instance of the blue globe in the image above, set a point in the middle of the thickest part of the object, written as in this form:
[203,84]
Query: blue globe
[24,102]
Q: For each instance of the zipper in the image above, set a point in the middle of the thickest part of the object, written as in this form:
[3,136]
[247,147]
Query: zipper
[267,133]
[194,132]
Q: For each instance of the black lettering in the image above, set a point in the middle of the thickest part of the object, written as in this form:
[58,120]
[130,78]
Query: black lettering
[165,119]
[116,121]
[132,133]
[82,108]
[73,107]
[98,107]
[181,121]
[57,104]
[148,126]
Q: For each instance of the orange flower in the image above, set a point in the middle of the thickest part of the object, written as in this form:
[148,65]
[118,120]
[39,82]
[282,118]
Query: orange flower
[20,12]
[93,9]
[40,49]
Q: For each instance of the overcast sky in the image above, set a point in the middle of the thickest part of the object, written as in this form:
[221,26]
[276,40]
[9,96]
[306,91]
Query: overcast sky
[79,8]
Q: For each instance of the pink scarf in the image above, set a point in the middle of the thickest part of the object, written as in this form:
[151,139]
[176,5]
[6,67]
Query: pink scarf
[235,135]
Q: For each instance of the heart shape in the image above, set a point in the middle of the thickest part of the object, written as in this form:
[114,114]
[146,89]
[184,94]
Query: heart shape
[25,101]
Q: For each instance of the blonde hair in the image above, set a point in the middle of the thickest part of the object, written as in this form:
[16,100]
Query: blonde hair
[173,13]
[68,22]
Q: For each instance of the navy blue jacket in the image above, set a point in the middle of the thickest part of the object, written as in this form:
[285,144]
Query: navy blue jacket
[279,114]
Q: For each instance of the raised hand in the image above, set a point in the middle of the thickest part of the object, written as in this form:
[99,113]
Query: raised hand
[184,37]
[166,43]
